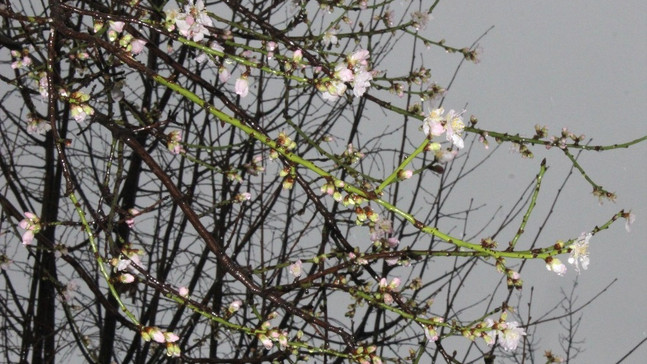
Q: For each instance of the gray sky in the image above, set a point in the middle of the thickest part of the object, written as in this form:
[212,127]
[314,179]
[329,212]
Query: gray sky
[580,65]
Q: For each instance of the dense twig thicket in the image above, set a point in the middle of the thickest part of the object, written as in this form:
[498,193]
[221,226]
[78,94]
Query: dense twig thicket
[250,181]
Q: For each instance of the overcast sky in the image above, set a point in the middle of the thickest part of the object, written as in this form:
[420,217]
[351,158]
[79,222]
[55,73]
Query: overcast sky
[581,65]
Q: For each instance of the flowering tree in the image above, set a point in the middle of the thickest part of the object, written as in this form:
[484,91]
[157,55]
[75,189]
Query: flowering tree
[248,182]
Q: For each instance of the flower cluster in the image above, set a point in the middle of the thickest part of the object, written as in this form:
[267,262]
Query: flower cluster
[351,155]
[43,85]
[255,167]
[364,214]
[381,237]
[173,142]
[268,335]
[163,337]
[366,355]
[331,188]
[127,42]
[283,143]
[37,126]
[31,224]
[79,108]
[22,59]
[354,70]
[192,23]
[419,19]
[508,334]
[431,332]
[124,263]
[452,125]
[385,289]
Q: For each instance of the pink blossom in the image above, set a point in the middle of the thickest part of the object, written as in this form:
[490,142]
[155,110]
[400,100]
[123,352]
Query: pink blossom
[193,22]
[27,237]
[266,341]
[388,299]
[156,334]
[405,174]
[295,269]
[359,58]
[242,86]
[283,340]
[174,139]
[117,26]
[42,85]
[392,242]
[334,90]
[183,291]
[297,56]
[170,337]
[137,45]
[361,82]
[555,265]
[223,74]
[510,336]
[126,278]
[395,283]
[235,306]
[430,333]
[131,220]
[433,123]
[32,225]
[81,111]
[342,73]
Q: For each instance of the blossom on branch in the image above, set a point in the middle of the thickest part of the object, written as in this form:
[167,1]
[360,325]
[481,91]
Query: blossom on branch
[242,86]
[174,139]
[580,252]
[452,124]
[509,334]
[31,224]
[192,23]
[555,265]
[295,269]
